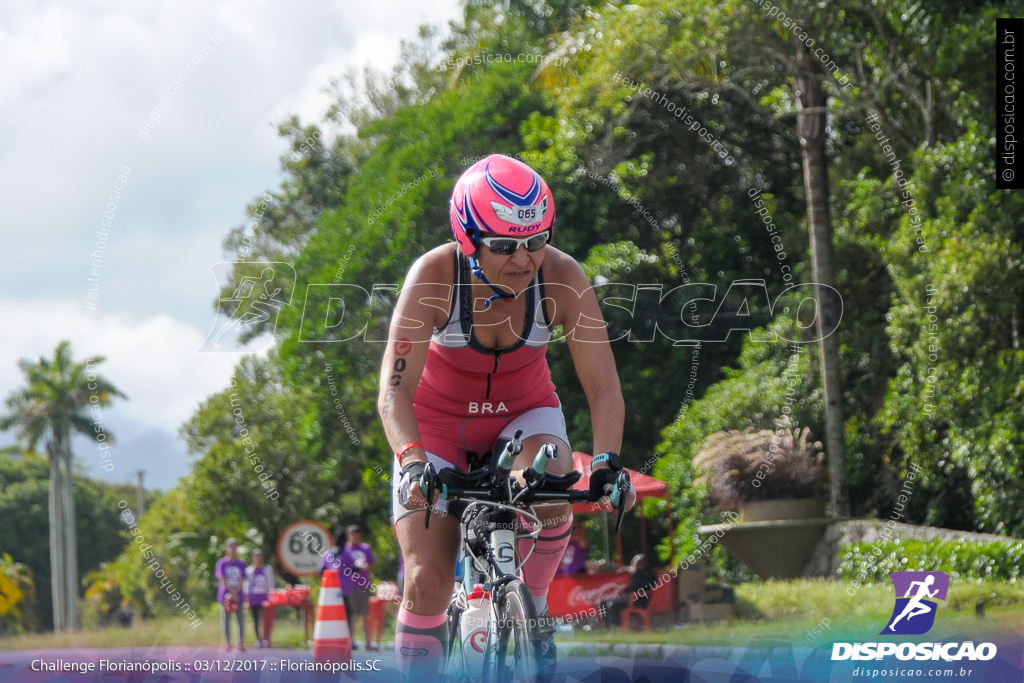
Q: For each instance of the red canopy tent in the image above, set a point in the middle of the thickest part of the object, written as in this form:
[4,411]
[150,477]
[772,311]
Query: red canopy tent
[646,487]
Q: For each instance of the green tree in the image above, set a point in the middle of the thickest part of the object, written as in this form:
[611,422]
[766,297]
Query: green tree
[183,544]
[58,398]
[919,71]
[916,198]
[953,406]
[23,493]
[257,471]
[620,154]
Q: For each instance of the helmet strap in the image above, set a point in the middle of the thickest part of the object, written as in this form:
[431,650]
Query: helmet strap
[498,294]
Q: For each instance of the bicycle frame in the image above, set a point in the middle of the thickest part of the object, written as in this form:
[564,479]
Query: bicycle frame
[500,562]
[491,570]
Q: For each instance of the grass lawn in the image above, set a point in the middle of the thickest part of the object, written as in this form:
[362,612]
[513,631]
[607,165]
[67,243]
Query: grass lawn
[167,631]
[780,610]
[789,610]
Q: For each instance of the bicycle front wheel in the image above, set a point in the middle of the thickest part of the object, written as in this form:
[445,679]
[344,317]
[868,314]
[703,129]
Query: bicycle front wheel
[514,655]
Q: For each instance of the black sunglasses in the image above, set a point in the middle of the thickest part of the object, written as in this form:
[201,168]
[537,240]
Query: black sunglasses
[504,246]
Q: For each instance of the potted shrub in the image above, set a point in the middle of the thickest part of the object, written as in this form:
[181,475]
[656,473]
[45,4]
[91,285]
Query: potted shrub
[764,475]
[777,482]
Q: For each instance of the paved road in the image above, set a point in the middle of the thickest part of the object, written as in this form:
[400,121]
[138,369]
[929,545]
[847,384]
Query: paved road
[182,664]
[192,665]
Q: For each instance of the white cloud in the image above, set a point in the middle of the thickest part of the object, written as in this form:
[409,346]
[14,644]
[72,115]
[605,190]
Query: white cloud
[153,359]
[85,75]
[383,25]
[82,77]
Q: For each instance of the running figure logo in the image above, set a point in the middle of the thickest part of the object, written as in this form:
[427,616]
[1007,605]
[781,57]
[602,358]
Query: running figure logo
[914,613]
[263,290]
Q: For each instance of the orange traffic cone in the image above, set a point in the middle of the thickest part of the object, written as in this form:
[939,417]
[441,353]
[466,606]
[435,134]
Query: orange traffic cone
[331,639]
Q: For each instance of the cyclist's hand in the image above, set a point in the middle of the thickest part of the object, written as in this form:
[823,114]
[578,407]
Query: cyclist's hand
[602,483]
[409,494]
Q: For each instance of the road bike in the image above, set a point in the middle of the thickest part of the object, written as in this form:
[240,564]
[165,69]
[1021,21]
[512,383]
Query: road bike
[496,512]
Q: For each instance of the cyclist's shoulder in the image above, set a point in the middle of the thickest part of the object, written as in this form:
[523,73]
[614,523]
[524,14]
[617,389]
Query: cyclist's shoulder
[564,273]
[435,267]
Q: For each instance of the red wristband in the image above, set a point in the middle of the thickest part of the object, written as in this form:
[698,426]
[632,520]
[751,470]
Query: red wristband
[402,451]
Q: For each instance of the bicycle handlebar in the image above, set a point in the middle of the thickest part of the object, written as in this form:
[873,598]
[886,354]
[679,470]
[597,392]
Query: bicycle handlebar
[499,488]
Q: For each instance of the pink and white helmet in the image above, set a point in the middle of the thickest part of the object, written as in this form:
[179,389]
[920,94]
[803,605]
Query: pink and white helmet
[499,195]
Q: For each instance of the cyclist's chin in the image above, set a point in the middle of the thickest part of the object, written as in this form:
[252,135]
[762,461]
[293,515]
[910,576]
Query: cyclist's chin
[517,280]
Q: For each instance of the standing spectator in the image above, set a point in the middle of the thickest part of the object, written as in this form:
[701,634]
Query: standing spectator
[230,575]
[357,561]
[259,580]
[332,558]
[331,561]
[574,561]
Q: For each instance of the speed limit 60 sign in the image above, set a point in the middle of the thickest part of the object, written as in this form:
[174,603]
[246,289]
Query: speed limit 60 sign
[301,547]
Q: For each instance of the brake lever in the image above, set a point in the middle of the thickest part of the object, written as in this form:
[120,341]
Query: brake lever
[513,448]
[620,496]
[428,482]
[534,475]
[507,458]
[545,455]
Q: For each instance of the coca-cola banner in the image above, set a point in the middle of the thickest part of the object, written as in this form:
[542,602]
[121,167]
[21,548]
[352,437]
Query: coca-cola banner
[571,595]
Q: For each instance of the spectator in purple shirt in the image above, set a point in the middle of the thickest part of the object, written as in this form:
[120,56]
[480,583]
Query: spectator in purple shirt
[332,558]
[331,561]
[259,580]
[574,561]
[230,573]
[357,561]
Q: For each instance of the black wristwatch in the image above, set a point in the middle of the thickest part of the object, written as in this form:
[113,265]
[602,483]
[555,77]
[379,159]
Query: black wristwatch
[611,458]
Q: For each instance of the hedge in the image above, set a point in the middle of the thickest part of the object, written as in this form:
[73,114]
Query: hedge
[999,560]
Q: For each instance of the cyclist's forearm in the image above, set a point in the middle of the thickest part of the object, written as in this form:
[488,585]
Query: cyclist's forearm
[401,429]
[595,367]
[607,415]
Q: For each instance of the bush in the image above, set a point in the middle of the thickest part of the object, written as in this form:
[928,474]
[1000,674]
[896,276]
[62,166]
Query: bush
[998,560]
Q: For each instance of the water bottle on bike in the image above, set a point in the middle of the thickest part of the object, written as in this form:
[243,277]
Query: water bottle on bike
[473,627]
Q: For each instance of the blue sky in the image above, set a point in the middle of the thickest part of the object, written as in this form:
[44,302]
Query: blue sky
[211,79]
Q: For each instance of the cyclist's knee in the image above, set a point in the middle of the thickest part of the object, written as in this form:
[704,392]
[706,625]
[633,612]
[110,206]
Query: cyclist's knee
[424,580]
[555,515]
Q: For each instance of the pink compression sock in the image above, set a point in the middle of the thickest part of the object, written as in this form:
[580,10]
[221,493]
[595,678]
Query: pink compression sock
[419,644]
[541,566]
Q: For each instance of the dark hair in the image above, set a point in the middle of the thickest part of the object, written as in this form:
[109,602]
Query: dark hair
[353,529]
[340,537]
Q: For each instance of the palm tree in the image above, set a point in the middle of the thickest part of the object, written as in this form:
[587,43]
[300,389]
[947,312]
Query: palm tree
[60,396]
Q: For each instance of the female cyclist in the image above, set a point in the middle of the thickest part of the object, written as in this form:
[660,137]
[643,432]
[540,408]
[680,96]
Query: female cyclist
[465,366]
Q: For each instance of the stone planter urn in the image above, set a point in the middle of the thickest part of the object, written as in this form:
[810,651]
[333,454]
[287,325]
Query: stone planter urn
[774,538]
[782,508]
